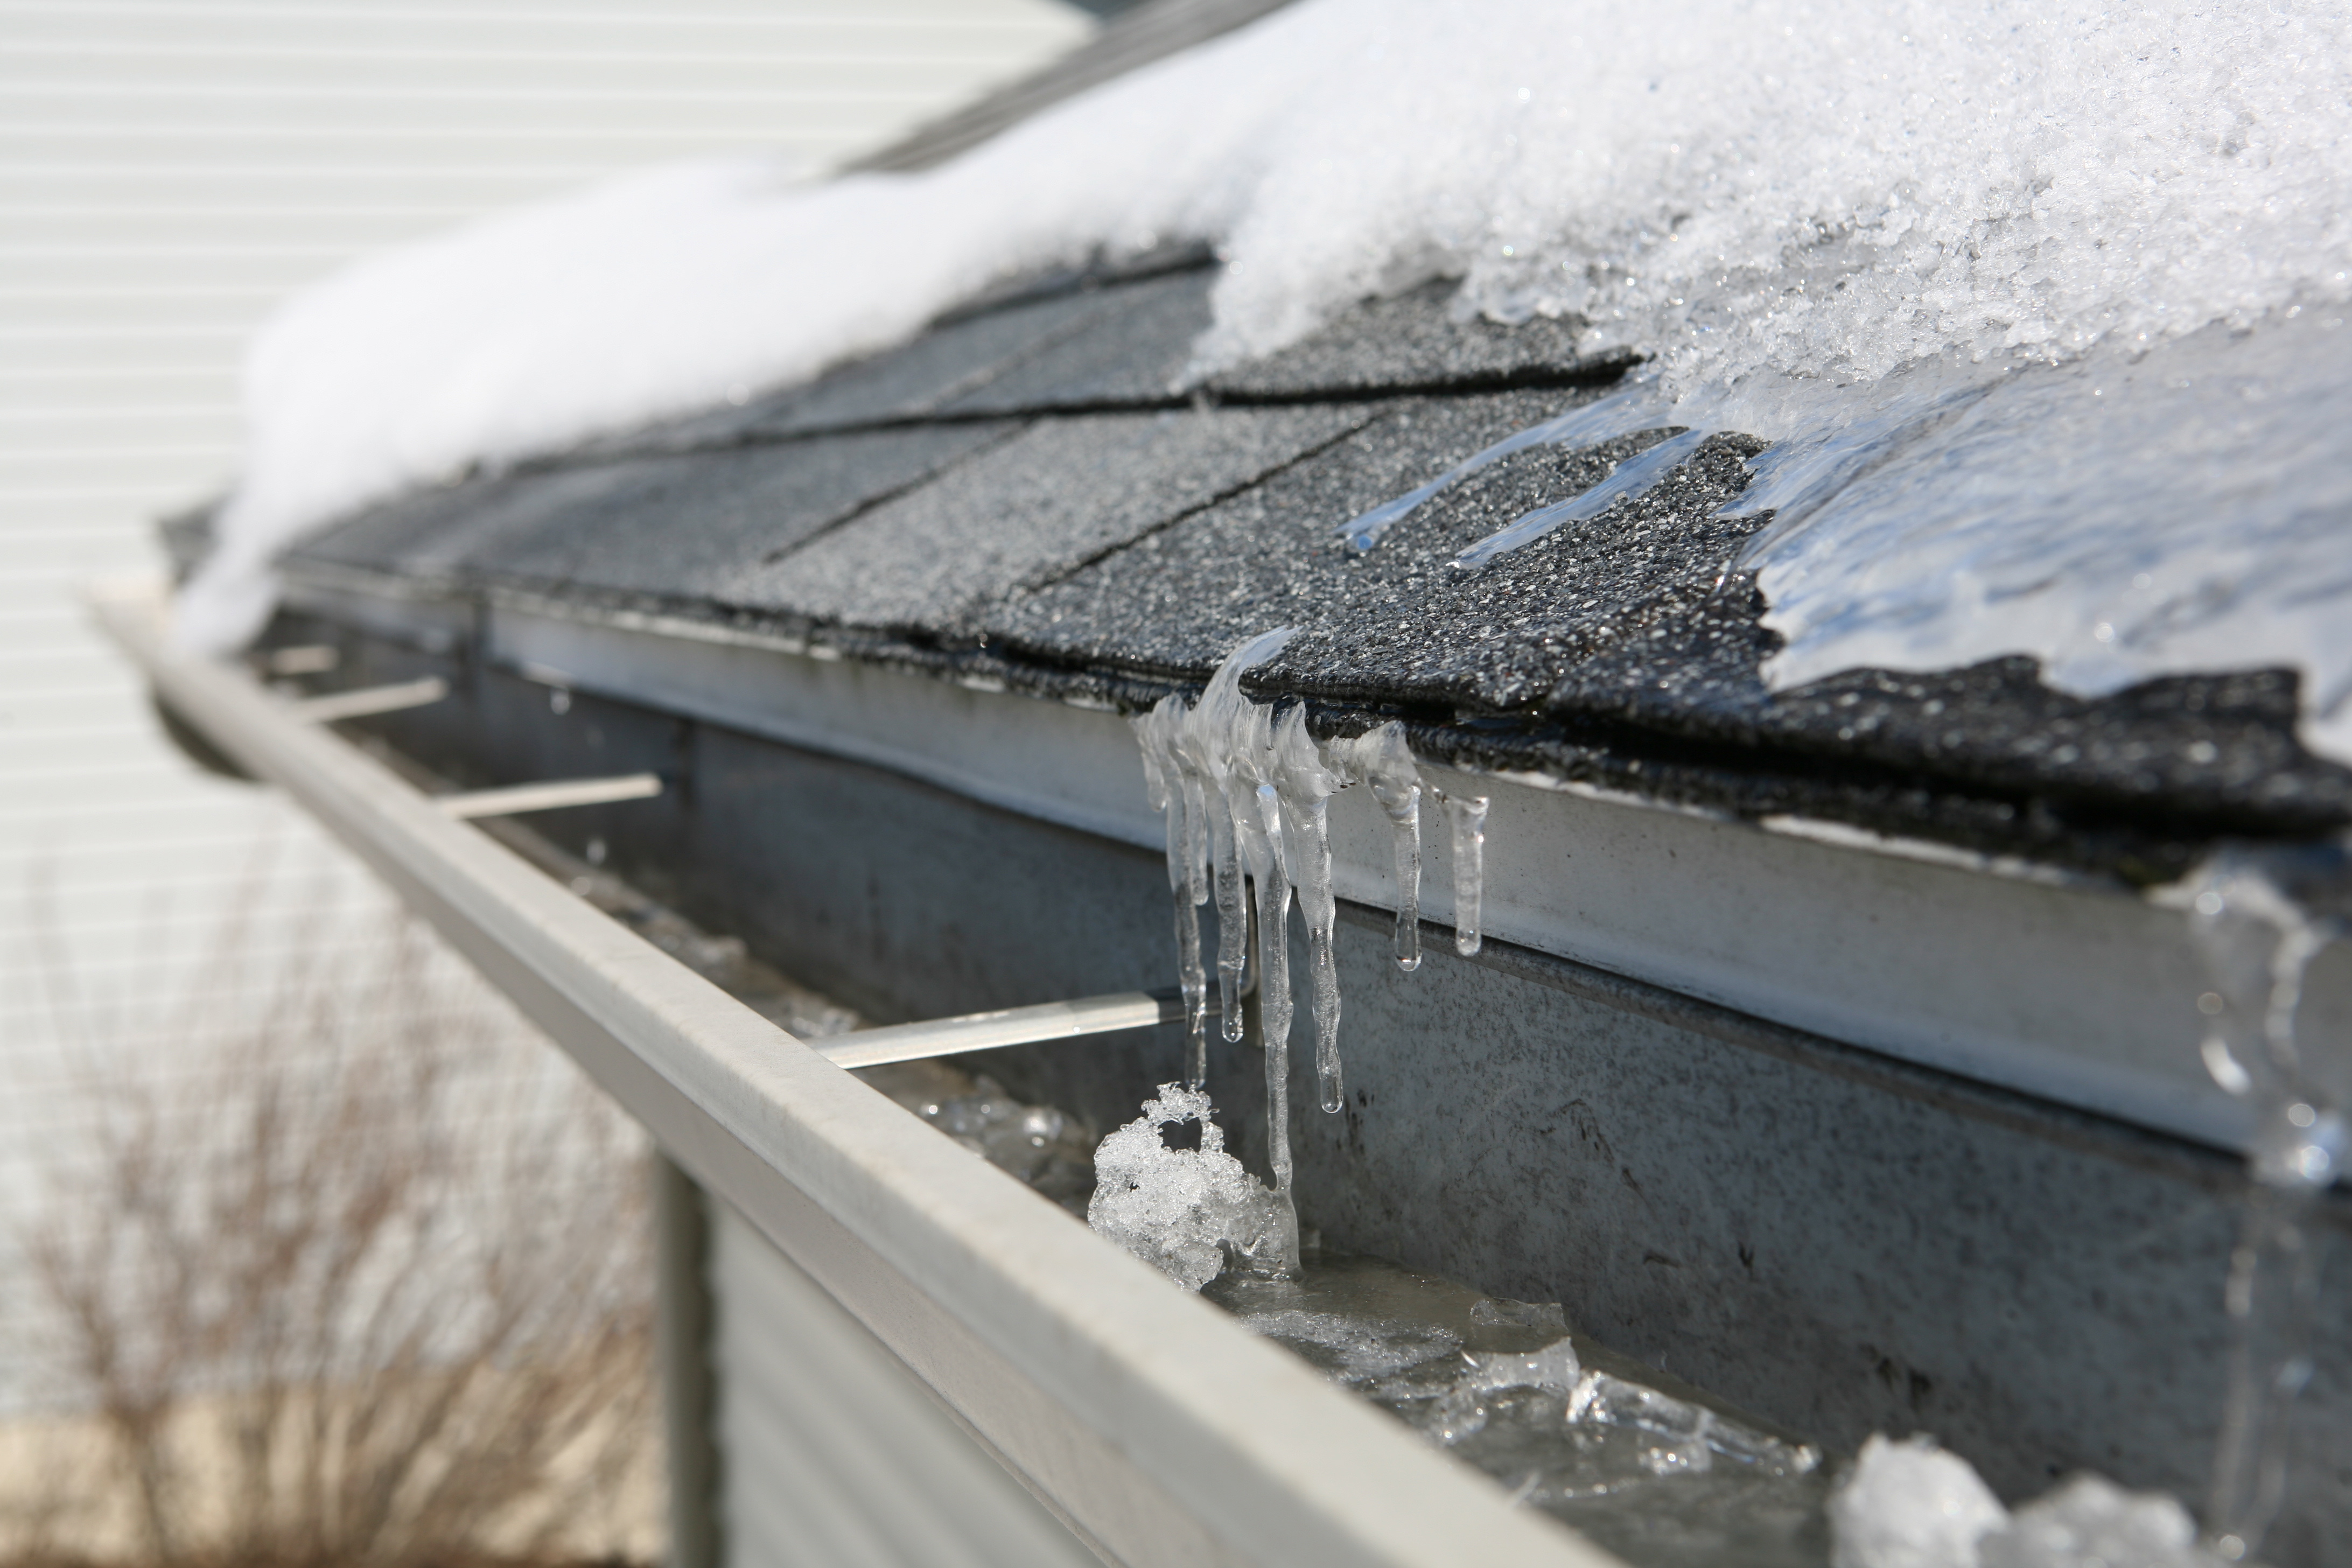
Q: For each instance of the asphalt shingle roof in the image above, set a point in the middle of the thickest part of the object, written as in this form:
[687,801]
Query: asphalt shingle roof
[1034,491]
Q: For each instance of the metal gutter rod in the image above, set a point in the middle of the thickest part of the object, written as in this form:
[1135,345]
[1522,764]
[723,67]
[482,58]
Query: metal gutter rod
[1008,1027]
[513,800]
[366,701]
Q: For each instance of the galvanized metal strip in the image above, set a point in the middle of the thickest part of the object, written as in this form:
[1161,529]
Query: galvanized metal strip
[367,701]
[513,800]
[1006,1026]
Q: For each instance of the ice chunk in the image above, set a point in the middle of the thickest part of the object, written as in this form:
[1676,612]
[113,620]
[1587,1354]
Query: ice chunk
[1911,1505]
[2091,1522]
[1358,1352]
[1496,1311]
[1553,1369]
[1186,1211]
[1465,1408]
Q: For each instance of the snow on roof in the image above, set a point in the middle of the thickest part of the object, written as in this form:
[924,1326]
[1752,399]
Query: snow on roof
[1868,232]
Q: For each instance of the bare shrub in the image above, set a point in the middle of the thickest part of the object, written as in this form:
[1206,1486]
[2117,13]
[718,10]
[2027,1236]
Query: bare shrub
[348,1267]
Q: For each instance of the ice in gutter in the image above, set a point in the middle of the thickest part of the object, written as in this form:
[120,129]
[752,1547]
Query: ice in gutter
[2259,919]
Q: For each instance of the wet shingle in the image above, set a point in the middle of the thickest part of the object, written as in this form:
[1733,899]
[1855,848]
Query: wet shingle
[671,527]
[1029,512]
[1416,342]
[1400,623]
[1118,553]
[1134,350]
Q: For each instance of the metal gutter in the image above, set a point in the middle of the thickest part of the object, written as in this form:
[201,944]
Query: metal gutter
[2070,991]
[1153,1425]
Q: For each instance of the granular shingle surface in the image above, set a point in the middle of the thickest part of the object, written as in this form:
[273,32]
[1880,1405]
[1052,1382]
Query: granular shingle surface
[1026,493]
[1064,491]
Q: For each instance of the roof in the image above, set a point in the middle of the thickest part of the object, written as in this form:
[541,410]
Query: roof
[1023,495]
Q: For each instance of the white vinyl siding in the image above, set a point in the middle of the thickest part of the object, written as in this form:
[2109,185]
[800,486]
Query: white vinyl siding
[168,170]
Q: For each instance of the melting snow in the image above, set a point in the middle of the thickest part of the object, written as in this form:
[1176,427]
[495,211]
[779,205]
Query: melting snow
[1184,1210]
[1786,203]
[1912,1505]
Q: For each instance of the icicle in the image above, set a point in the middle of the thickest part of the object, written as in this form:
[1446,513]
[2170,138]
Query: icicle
[1208,733]
[1306,789]
[1175,791]
[1467,816]
[2258,940]
[1191,977]
[1274,1004]
[1639,407]
[1250,802]
[1382,760]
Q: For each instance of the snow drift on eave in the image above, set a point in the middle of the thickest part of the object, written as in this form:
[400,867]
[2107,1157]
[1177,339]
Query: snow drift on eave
[1755,192]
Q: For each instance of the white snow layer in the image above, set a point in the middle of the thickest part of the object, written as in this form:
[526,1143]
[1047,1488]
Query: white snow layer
[1914,1505]
[1755,192]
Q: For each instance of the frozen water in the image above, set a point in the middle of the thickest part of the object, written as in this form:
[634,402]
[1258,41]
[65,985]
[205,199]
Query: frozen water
[1211,744]
[1639,407]
[1911,1505]
[1629,479]
[1037,1144]
[2090,1522]
[1306,789]
[1267,787]
[2146,509]
[1174,788]
[1467,817]
[2260,917]
[2258,939]
[1186,1211]
[1761,193]
[1661,1479]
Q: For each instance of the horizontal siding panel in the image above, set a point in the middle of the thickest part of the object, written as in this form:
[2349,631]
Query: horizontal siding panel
[169,169]
[1012,34]
[294,83]
[38,429]
[72,557]
[195,469]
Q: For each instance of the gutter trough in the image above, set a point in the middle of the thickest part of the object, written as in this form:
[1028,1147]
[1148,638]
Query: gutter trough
[1158,1430]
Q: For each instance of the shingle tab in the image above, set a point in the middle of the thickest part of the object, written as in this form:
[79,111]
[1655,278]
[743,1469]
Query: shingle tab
[1415,343]
[1135,349]
[1123,551]
[1400,622]
[1028,512]
[675,527]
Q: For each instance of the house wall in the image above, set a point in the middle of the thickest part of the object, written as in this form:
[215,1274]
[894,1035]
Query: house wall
[833,1455]
[168,170]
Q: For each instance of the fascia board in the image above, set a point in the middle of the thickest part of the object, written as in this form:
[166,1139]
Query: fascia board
[2003,971]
